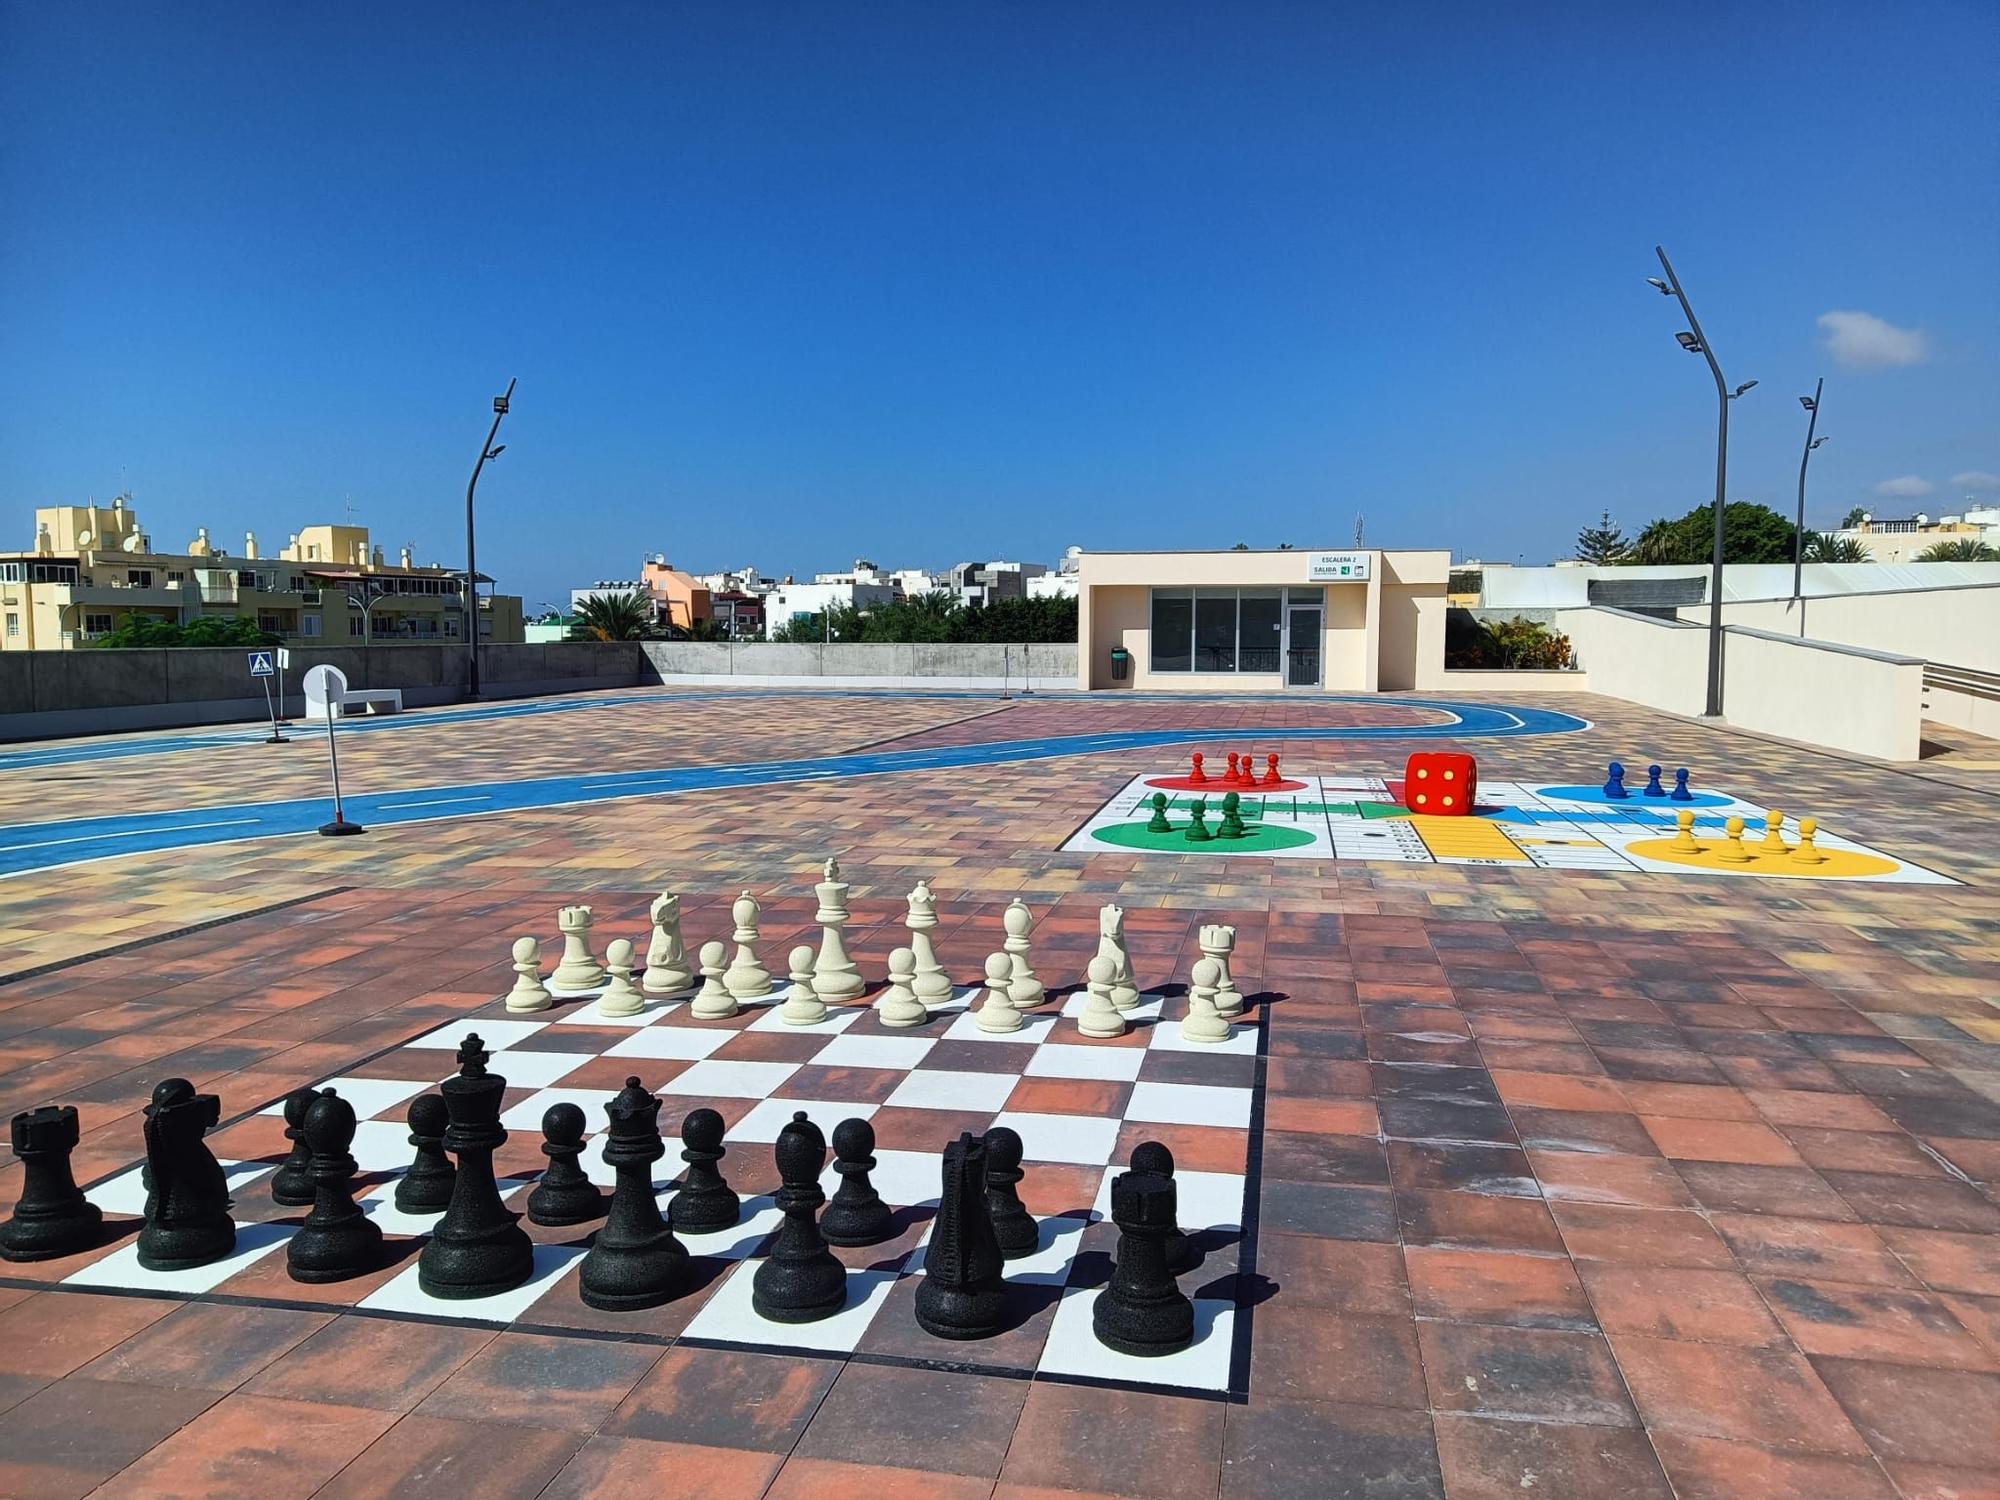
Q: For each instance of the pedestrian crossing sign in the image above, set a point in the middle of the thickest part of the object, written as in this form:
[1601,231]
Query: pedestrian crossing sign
[261,664]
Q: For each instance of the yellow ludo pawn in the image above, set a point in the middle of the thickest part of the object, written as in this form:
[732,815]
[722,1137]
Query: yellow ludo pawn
[1807,853]
[1732,851]
[1683,840]
[1774,844]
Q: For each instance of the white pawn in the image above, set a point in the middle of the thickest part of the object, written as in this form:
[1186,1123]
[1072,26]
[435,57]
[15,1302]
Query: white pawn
[933,985]
[834,975]
[802,1007]
[1100,1017]
[1111,945]
[1022,984]
[746,978]
[899,1005]
[666,958]
[621,996]
[997,1013]
[712,1002]
[529,993]
[578,969]
[1202,1024]
[1218,941]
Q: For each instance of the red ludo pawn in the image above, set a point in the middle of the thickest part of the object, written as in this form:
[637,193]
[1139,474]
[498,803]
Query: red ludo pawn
[1197,776]
[1441,783]
[1230,777]
[1271,776]
[1248,770]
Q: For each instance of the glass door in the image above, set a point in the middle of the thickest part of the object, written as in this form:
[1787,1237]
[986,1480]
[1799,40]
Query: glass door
[1302,643]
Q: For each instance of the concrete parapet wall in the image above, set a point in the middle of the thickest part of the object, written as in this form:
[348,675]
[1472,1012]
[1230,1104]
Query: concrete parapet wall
[861,664]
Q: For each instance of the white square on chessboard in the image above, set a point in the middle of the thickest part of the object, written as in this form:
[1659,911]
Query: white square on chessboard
[758,1221]
[682,1043]
[126,1193]
[726,1079]
[527,1115]
[1073,1349]
[404,1295]
[1034,1030]
[1073,1060]
[1084,1140]
[1202,1200]
[382,1146]
[905,1179]
[728,1317]
[1148,1008]
[121,1267]
[766,1119]
[1057,1239]
[369,1096]
[537,1070]
[1189,1104]
[899,1053]
[838,1019]
[1241,1041]
[959,999]
[588,1015]
[945,1088]
[496,1033]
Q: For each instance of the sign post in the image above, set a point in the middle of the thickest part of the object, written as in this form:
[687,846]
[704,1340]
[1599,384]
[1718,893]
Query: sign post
[284,662]
[325,685]
[263,666]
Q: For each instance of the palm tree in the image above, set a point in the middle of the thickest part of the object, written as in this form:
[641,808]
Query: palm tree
[1959,549]
[613,617]
[1824,546]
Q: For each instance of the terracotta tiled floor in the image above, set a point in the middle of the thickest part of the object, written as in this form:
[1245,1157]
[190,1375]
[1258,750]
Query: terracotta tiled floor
[1572,1185]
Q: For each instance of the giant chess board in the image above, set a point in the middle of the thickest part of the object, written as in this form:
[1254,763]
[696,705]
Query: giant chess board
[1079,1105]
[1517,824]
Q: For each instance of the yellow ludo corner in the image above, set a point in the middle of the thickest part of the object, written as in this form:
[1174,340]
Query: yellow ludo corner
[1770,855]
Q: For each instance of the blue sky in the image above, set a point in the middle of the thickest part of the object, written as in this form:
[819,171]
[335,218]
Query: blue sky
[788,284]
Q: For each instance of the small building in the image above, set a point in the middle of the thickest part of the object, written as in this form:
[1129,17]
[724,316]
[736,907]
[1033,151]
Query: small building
[789,600]
[978,583]
[679,601]
[738,616]
[1894,539]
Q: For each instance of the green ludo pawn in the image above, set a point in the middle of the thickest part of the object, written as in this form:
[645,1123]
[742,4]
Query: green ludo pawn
[1197,829]
[1159,823]
[1232,818]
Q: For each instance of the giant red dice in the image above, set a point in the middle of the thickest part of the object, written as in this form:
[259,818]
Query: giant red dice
[1442,783]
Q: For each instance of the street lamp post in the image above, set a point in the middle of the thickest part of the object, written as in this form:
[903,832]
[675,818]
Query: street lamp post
[486,451]
[1811,404]
[1695,342]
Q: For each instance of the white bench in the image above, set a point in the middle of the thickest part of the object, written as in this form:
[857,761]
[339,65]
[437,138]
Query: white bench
[373,700]
[326,689]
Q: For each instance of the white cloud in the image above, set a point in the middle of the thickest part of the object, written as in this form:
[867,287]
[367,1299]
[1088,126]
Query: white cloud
[1862,341]
[1976,480]
[1905,487]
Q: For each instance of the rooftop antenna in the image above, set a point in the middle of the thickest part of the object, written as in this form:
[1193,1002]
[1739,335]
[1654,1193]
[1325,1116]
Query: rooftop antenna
[1357,528]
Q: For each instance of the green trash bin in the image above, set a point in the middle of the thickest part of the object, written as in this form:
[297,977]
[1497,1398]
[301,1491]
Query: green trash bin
[1121,664]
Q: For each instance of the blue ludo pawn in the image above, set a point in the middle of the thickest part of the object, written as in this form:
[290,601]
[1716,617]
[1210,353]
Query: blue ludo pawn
[1653,787]
[1614,784]
[1680,793]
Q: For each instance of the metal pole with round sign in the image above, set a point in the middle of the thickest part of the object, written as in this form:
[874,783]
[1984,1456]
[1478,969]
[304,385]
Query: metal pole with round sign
[325,687]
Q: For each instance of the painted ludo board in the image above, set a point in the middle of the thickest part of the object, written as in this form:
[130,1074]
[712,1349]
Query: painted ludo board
[1550,827]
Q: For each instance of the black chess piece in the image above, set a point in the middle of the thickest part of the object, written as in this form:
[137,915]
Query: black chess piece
[705,1203]
[634,1261]
[426,1187]
[1142,1310]
[1013,1225]
[564,1195]
[52,1218]
[963,1295]
[337,1241]
[187,1210]
[856,1215]
[1155,1158]
[479,1248]
[292,1183]
[800,1282]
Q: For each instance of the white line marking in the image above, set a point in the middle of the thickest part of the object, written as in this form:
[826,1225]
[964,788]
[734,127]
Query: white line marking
[135,833]
[430,802]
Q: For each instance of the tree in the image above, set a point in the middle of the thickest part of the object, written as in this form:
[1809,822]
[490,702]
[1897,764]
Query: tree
[1240,547]
[1854,517]
[210,630]
[1602,543]
[1824,546]
[614,617]
[1750,534]
[1960,549]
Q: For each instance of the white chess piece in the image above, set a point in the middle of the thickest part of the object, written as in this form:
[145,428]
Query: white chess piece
[899,1005]
[1202,1024]
[621,996]
[1026,989]
[933,985]
[834,975]
[712,1002]
[666,958]
[529,993]
[802,1007]
[1100,1017]
[997,1012]
[1218,941]
[578,969]
[746,978]
[1111,945]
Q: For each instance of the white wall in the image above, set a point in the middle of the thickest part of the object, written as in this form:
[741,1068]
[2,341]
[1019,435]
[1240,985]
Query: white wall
[1568,588]
[1959,627]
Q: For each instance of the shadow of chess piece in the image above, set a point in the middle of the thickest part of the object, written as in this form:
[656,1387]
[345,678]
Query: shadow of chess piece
[705,1204]
[426,1187]
[962,1295]
[479,1248]
[856,1215]
[52,1218]
[634,1261]
[1013,1226]
[338,1241]
[801,1282]
[1154,1158]
[564,1195]
[292,1183]
[1142,1311]
[187,1214]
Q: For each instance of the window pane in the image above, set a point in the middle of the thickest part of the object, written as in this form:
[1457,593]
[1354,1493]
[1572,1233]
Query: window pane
[1173,632]
[1261,617]
[1215,630]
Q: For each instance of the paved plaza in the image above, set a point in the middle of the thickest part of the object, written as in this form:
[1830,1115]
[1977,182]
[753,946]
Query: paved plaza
[1563,1182]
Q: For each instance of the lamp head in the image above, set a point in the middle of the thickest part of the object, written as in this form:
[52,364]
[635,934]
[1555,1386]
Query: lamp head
[1688,342]
[497,451]
[1741,389]
[1660,286]
[1808,403]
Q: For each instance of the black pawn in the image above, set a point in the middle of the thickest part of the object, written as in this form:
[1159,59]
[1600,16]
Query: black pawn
[292,1183]
[634,1261]
[187,1211]
[1013,1225]
[801,1282]
[705,1203]
[1142,1310]
[856,1215]
[52,1218]
[479,1248]
[426,1187]
[338,1241]
[962,1295]
[1154,1158]
[564,1195]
